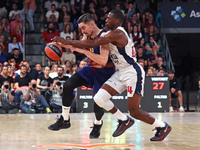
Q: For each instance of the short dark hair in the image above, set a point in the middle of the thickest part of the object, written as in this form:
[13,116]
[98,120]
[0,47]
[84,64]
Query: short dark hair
[15,49]
[85,18]
[53,5]
[117,14]
[61,68]
[171,71]
[22,66]
[161,69]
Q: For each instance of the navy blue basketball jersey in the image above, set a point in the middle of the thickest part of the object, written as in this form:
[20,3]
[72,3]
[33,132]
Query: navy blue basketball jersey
[96,77]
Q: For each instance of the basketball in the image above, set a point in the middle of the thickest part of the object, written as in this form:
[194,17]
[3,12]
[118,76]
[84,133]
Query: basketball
[53,51]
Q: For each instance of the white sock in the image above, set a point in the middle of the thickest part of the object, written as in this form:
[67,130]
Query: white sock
[119,115]
[98,122]
[158,123]
[65,112]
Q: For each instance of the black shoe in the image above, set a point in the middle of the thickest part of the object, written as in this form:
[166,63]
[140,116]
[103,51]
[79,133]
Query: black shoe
[123,126]
[95,133]
[161,133]
[60,124]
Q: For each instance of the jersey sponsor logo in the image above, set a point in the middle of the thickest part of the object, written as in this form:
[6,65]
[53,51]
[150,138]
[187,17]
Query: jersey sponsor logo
[160,96]
[92,50]
[84,145]
[114,58]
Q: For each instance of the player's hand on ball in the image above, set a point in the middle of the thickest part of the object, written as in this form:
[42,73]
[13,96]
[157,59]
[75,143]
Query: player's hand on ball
[59,39]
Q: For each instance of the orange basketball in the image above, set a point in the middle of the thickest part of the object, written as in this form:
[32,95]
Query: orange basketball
[53,51]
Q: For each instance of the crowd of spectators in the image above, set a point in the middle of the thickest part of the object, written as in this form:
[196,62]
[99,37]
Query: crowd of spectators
[28,86]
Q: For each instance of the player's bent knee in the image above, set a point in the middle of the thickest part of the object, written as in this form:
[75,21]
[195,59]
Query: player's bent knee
[102,98]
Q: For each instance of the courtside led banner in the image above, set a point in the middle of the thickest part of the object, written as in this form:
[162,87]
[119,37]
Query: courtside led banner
[180,14]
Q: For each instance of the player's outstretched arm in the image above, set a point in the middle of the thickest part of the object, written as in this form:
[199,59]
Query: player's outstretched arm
[100,59]
[83,43]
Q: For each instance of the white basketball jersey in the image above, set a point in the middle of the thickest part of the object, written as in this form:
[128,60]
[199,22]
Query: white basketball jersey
[123,57]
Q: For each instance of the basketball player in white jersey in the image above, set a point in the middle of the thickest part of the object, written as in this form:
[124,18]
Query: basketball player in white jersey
[130,76]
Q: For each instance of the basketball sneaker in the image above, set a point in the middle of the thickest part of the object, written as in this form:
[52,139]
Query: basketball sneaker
[161,132]
[181,109]
[95,133]
[60,124]
[123,126]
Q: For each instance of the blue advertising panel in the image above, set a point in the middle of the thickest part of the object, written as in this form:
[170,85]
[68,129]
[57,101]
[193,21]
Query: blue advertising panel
[180,14]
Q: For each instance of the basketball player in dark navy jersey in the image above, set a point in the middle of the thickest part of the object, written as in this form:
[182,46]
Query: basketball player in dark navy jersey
[88,76]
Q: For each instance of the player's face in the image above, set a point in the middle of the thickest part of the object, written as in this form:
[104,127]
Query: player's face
[110,21]
[86,29]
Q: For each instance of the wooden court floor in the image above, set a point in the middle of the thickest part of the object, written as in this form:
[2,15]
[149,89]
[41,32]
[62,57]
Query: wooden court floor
[29,132]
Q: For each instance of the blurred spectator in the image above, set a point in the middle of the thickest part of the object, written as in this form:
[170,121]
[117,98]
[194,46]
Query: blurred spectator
[142,5]
[14,12]
[15,44]
[32,95]
[140,43]
[68,65]
[4,77]
[103,15]
[119,7]
[5,24]
[149,72]
[149,22]
[44,82]
[29,9]
[141,55]
[78,7]
[52,11]
[141,62]
[54,70]
[159,63]
[52,19]
[67,32]
[150,44]
[47,4]
[12,72]
[135,34]
[21,82]
[66,70]
[18,68]
[134,22]
[38,68]
[151,31]
[16,55]
[73,69]
[153,56]
[161,72]
[4,33]
[15,22]
[3,10]
[130,11]
[3,43]
[64,12]
[92,11]
[19,4]
[68,55]
[3,57]
[64,3]
[7,99]
[48,35]
[82,64]
[57,90]
[175,91]
[66,20]
[31,72]
[18,33]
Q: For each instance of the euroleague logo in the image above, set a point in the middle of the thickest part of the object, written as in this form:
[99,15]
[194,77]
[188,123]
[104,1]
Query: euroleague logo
[83,145]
